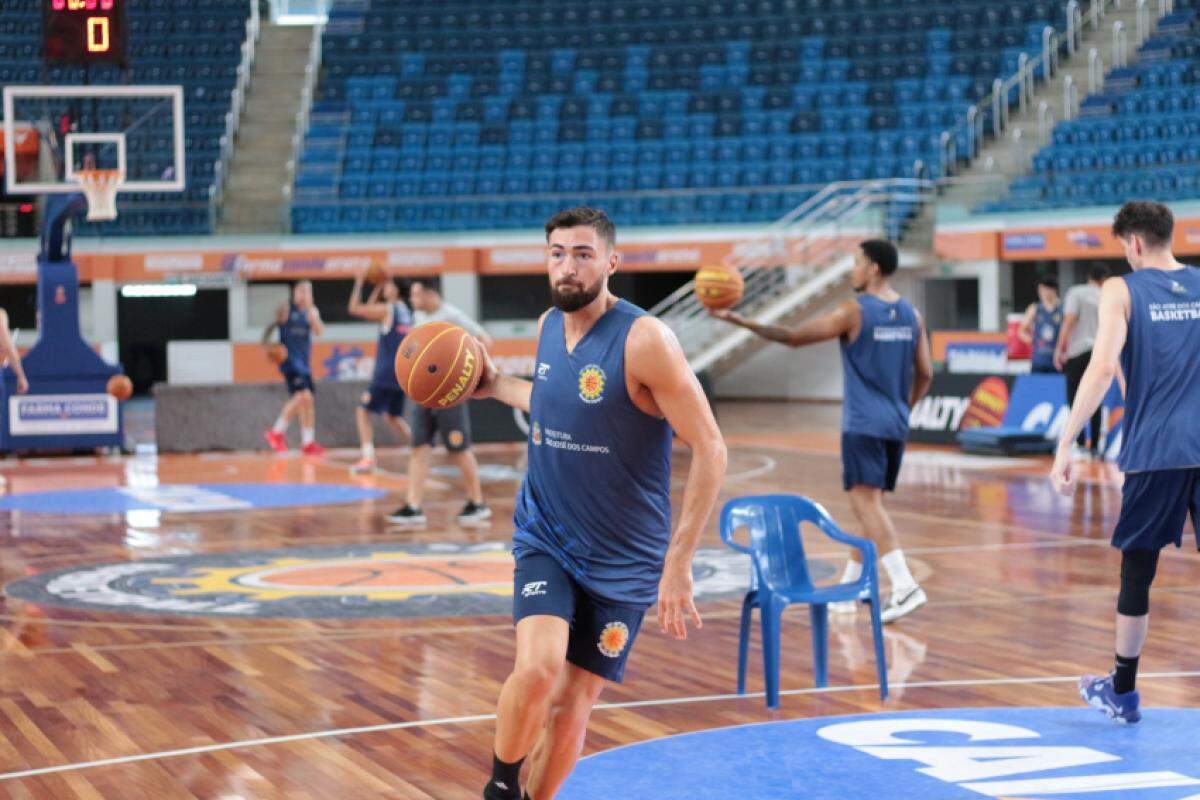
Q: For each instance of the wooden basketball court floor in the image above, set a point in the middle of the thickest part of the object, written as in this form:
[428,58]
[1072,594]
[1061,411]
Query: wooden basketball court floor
[1022,587]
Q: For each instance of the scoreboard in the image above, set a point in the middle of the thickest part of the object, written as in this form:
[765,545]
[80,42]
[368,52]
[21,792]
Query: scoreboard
[84,31]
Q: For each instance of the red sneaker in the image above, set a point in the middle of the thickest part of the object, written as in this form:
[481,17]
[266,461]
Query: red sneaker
[312,449]
[276,441]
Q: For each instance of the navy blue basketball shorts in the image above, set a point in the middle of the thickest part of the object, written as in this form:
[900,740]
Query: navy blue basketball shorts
[870,461]
[298,381]
[1155,507]
[384,400]
[601,632]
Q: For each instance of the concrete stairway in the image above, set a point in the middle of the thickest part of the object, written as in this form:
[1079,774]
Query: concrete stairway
[1001,160]
[253,202]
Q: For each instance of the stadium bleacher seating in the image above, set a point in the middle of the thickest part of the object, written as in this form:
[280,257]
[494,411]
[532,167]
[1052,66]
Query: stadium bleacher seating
[1138,137]
[199,47]
[487,115]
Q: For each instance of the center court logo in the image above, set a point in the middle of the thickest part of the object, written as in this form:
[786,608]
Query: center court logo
[944,754]
[591,384]
[438,579]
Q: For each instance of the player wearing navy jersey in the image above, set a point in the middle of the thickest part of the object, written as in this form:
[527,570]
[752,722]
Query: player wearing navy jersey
[384,395]
[887,368]
[298,321]
[1148,338]
[593,542]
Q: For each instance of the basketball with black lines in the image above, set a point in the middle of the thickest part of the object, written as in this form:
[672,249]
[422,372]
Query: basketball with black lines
[439,365]
[719,287]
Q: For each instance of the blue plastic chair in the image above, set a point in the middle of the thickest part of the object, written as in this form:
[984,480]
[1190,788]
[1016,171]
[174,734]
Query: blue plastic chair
[781,578]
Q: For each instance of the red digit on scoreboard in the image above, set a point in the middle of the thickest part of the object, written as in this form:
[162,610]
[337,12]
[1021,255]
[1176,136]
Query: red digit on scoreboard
[58,5]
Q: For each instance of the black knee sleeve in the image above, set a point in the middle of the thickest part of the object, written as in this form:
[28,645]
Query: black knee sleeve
[1137,573]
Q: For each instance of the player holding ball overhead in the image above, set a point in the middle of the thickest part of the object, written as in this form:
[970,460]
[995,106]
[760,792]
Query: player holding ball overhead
[384,395]
[888,368]
[298,321]
[593,545]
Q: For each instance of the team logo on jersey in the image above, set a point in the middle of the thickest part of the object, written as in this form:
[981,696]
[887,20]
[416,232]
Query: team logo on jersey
[591,384]
[1177,288]
[613,639]
[536,434]
[543,371]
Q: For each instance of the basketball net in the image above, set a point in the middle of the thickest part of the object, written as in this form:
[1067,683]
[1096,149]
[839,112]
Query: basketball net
[100,186]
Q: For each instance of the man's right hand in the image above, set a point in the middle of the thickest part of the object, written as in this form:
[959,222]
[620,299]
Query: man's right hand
[487,381]
[725,314]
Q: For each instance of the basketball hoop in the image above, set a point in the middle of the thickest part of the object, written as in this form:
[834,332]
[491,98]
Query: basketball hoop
[100,186]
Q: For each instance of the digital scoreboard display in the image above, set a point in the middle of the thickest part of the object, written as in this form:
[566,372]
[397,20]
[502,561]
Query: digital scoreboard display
[84,31]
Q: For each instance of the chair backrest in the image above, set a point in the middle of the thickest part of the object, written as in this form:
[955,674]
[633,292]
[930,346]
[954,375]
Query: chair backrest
[776,539]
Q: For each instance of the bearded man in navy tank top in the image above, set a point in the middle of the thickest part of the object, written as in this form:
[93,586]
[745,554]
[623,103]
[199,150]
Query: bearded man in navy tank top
[593,544]
[887,366]
[1148,339]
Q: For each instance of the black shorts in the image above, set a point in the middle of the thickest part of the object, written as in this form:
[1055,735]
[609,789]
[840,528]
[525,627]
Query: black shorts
[870,461]
[452,426]
[601,632]
[384,400]
[298,381]
[1155,507]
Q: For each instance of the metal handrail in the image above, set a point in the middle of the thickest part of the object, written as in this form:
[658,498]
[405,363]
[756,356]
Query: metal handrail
[1045,122]
[312,72]
[1049,54]
[1142,21]
[1095,71]
[1074,26]
[233,118]
[1120,43]
[1070,97]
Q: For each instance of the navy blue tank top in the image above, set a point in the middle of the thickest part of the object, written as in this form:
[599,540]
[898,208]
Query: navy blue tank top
[384,376]
[878,368]
[296,335]
[1161,360]
[596,497]
[1046,325]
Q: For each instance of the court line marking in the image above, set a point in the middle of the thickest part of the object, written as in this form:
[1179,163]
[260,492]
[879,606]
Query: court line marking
[462,720]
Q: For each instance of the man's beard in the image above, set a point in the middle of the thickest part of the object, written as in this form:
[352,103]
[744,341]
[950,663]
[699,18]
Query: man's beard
[576,299]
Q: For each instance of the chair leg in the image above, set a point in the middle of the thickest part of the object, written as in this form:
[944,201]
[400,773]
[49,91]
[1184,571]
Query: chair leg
[880,654]
[770,612]
[820,642]
[748,604]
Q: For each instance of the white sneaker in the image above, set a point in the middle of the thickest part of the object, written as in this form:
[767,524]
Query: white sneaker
[844,607]
[901,604]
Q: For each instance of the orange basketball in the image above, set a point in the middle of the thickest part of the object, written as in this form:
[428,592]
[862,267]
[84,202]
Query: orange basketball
[439,365]
[719,287]
[276,353]
[376,274]
[120,387]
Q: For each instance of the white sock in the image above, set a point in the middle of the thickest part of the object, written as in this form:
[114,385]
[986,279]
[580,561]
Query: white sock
[369,451]
[280,425]
[852,572]
[307,435]
[897,570]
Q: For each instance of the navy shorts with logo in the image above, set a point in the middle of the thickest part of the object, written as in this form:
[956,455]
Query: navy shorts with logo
[870,461]
[452,425]
[384,400]
[298,381]
[1155,507]
[601,632]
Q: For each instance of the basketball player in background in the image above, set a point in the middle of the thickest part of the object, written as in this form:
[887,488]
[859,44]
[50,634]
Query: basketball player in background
[1042,322]
[298,321]
[451,425]
[383,395]
[10,356]
[1081,319]
[593,542]
[888,369]
[1149,336]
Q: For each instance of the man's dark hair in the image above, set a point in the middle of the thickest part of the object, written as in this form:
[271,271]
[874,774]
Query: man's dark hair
[883,254]
[431,283]
[1049,281]
[1153,221]
[1098,272]
[584,215]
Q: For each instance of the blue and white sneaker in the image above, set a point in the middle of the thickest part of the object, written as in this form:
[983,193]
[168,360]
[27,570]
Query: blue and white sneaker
[1098,693]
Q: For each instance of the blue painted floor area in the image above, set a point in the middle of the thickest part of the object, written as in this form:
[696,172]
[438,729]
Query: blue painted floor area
[187,498]
[1026,753]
